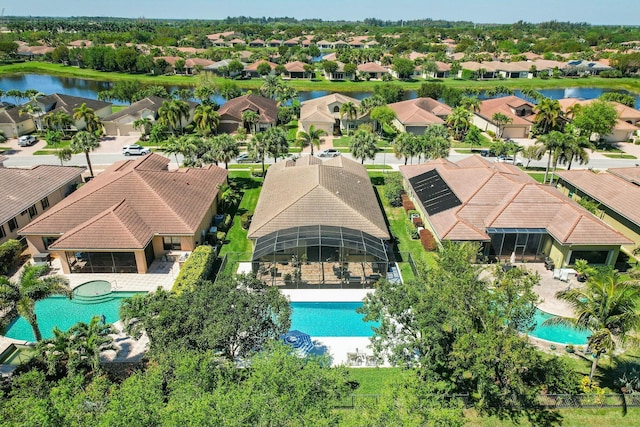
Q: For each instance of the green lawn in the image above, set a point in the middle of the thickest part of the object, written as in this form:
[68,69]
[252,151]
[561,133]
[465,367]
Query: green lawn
[537,176]
[619,156]
[373,380]
[237,236]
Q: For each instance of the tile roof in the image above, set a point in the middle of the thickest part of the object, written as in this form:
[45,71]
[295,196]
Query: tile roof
[13,116]
[22,188]
[506,105]
[66,103]
[420,111]
[336,192]
[317,109]
[267,108]
[500,195]
[372,67]
[151,103]
[618,189]
[119,207]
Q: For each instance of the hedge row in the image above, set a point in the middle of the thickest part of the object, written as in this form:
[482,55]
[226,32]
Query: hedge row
[197,267]
[9,253]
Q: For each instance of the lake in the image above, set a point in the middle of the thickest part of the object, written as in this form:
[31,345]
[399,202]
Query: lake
[89,89]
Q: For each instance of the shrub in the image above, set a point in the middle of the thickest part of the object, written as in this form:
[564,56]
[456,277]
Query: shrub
[9,253]
[221,236]
[393,191]
[226,223]
[491,133]
[417,222]
[407,204]
[197,267]
[245,220]
[427,240]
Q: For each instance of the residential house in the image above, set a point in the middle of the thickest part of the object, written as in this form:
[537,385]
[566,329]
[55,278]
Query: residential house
[627,125]
[340,44]
[585,68]
[508,213]
[339,74]
[231,113]
[28,193]
[617,193]
[192,66]
[51,104]
[291,42]
[324,44]
[134,212]
[373,70]
[483,70]
[519,111]
[296,70]
[325,113]
[274,43]
[257,43]
[441,71]
[13,124]
[221,68]
[415,115]
[121,122]
[251,70]
[325,213]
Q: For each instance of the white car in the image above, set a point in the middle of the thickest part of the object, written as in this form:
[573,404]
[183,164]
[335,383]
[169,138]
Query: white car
[506,159]
[27,140]
[135,150]
[329,152]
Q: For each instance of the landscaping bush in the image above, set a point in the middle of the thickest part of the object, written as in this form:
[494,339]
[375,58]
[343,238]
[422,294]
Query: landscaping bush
[197,267]
[393,191]
[245,220]
[226,223]
[491,133]
[427,240]
[417,222]
[407,204]
[9,253]
[221,236]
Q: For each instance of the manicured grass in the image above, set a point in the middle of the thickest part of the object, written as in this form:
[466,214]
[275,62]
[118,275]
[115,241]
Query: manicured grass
[378,167]
[4,149]
[44,152]
[343,141]
[537,176]
[249,166]
[629,84]
[571,418]
[619,156]
[373,380]
[237,236]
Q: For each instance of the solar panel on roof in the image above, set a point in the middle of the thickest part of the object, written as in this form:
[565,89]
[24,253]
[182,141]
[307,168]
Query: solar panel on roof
[434,194]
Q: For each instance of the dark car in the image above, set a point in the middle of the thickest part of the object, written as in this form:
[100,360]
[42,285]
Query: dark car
[487,153]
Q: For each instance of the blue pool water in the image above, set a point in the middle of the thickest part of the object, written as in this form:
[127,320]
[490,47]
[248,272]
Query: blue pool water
[558,334]
[330,319]
[61,312]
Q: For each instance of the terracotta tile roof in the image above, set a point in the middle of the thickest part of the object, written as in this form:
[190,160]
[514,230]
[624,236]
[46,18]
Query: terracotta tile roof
[267,108]
[420,111]
[22,188]
[505,105]
[254,66]
[336,192]
[151,103]
[192,62]
[136,196]
[317,110]
[499,195]
[372,67]
[618,189]
[295,66]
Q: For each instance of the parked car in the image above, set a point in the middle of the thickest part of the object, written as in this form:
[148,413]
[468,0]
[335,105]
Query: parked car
[329,152]
[244,158]
[27,140]
[487,153]
[507,159]
[135,150]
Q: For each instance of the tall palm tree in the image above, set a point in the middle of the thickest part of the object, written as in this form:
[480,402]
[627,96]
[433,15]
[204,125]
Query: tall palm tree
[548,115]
[257,148]
[225,148]
[501,120]
[173,113]
[32,109]
[63,154]
[437,142]
[85,142]
[363,145]
[549,144]
[470,103]
[58,120]
[251,118]
[91,120]
[459,121]
[32,286]
[350,110]
[276,144]
[206,119]
[607,307]
[574,148]
[405,145]
[144,124]
[310,138]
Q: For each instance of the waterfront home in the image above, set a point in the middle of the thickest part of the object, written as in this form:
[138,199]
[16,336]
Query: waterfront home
[519,111]
[415,115]
[53,103]
[13,124]
[231,113]
[626,127]
[326,113]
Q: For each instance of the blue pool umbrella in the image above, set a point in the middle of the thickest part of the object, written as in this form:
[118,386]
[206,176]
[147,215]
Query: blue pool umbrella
[300,341]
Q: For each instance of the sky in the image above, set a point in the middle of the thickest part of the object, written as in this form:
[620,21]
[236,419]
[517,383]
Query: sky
[603,12]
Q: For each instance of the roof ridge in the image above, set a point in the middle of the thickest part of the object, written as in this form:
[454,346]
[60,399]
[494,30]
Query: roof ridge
[506,204]
[91,220]
[125,205]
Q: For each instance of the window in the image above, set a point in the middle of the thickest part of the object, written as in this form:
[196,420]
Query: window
[45,203]
[171,243]
[336,109]
[47,241]
[33,211]
[2,233]
[13,224]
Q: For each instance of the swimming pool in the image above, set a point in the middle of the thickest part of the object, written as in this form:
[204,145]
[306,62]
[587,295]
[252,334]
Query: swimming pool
[339,319]
[61,312]
[330,319]
[558,334]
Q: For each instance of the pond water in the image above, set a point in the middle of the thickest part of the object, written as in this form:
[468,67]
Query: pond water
[90,88]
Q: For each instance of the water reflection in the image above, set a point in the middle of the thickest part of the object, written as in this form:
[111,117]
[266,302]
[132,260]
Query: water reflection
[90,88]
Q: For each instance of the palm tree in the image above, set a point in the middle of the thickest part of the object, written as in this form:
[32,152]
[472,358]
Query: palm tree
[84,142]
[350,110]
[548,115]
[459,121]
[32,109]
[606,306]
[574,147]
[206,119]
[173,113]
[225,148]
[310,138]
[251,118]
[64,154]
[548,144]
[270,86]
[405,145]
[437,142]
[144,124]
[58,120]
[501,120]
[91,120]
[363,145]
[32,286]
[257,148]
[470,103]
[229,197]
[275,141]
